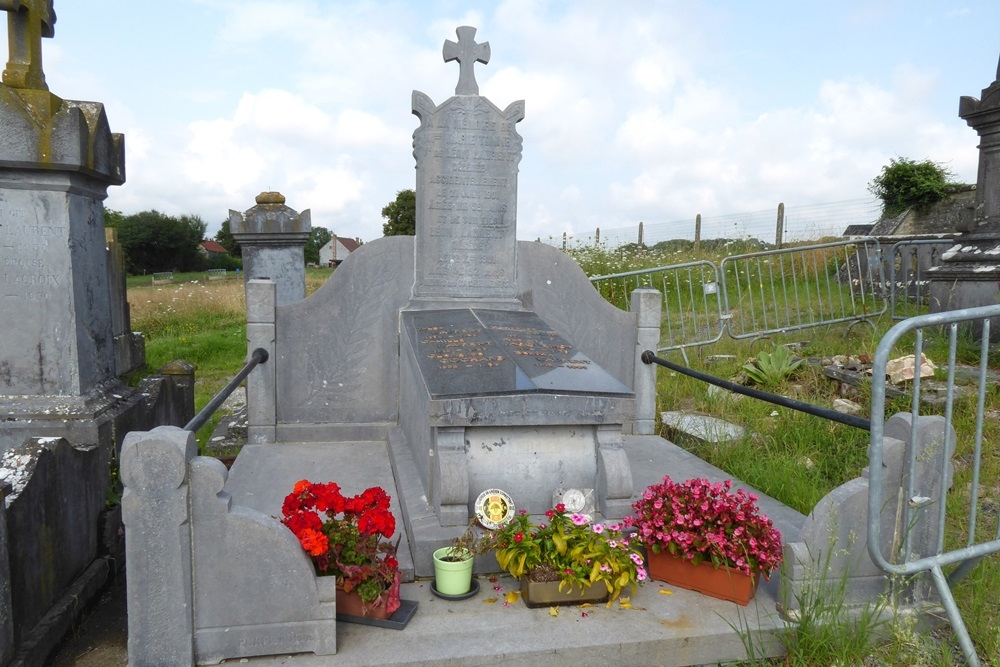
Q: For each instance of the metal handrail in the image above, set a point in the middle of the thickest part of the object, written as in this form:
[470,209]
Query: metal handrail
[648,357]
[258,356]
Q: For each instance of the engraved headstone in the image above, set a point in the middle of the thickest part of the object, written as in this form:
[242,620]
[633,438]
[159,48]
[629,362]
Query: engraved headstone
[57,357]
[467,154]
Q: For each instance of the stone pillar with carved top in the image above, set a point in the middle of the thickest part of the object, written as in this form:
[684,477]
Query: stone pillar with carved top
[273,237]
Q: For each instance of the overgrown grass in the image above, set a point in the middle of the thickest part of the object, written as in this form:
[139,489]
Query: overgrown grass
[202,322]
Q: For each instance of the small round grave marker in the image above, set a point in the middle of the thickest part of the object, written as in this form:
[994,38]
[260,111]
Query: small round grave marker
[494,508]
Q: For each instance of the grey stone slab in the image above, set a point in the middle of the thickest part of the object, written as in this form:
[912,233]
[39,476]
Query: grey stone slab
[467,153]
[52,516]
[53,256]
[680,628]
[704,428]
[263,475]
[472,352]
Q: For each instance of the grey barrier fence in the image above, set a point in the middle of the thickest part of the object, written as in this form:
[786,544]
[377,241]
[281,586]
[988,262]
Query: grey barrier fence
[796,288]
[908,263]
[692,302]
[757,294]
[931,501]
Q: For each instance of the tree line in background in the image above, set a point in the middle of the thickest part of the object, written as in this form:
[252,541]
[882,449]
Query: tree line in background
[154,242]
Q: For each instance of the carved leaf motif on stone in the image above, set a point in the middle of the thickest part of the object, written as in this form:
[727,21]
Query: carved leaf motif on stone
[335,373]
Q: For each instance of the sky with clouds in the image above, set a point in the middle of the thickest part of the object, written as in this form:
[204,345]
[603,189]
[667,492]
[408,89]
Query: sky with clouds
[635,110]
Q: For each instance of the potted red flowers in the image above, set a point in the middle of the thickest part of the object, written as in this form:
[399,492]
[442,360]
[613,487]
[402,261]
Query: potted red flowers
[717,540]
[349,542]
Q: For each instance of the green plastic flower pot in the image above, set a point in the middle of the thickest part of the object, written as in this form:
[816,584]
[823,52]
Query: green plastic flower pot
[452,577]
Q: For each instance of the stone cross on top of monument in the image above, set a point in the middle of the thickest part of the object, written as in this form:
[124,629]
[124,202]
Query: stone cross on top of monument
[27,22]
[467,53]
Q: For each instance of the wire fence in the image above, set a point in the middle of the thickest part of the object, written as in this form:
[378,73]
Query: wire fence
[783,224]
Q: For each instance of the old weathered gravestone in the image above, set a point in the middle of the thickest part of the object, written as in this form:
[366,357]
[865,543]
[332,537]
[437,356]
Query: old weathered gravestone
[968,274]
[57,357]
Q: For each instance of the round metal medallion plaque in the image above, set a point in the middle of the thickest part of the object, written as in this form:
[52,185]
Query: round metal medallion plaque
[494,508]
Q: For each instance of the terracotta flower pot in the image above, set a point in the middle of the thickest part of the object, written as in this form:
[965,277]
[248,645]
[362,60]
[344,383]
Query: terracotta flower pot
[723,583]
[350,604]
[547,593]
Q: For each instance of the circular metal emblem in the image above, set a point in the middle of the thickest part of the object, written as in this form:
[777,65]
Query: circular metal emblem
[494,508]
[574,500]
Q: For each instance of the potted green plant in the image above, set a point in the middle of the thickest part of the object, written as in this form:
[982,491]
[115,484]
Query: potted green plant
[706,537]
[351,543]
[567,559]
[453,572]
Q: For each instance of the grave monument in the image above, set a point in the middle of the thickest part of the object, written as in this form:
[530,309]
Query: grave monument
[435,366]
[64,340]
[968,273]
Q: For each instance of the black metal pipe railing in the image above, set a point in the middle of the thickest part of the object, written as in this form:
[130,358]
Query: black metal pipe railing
[648,357]
[258,356]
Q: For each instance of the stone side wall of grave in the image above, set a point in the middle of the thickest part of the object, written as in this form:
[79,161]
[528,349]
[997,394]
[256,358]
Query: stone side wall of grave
[830,555]
[53,512]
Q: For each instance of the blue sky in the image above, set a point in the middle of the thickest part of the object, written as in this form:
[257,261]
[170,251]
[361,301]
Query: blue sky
[651,111]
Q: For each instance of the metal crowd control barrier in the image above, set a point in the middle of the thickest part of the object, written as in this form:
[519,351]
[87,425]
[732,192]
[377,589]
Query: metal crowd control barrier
[795,288]
[966,557]
[761,293]
[908,263]
[692,304]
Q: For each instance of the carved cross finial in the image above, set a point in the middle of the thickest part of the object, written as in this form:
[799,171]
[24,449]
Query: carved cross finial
[27,22]
[467,53]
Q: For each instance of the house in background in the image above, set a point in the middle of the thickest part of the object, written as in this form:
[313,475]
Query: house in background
[337,250]
[211,248]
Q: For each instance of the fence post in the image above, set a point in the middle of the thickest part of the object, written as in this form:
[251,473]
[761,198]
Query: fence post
[564,241]
[780,232]
[697,231]
[640,233]
[597,237]
[646,304]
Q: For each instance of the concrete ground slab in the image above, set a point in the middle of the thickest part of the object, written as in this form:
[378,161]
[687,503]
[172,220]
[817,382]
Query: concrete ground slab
[666,626]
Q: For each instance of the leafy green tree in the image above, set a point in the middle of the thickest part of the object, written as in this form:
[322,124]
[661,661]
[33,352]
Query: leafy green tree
[401,215]
[225,238]
[905,183]
[318,238]
[154,242]
[113,218]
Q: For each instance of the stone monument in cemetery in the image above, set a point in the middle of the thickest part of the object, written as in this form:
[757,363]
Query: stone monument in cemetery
[457,360]
[968,274]
[64,340]
[436,367]
[57,158]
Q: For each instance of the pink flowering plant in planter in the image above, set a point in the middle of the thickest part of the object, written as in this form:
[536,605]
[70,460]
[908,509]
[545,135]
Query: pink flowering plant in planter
[699,521]
[570,549]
